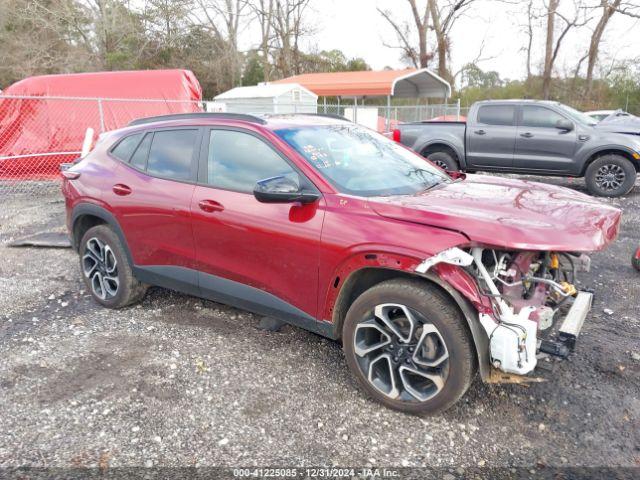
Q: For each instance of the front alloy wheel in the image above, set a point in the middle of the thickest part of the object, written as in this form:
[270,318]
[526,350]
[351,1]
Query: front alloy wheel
[100,267]
[610,177]
[409,346]
[402,355]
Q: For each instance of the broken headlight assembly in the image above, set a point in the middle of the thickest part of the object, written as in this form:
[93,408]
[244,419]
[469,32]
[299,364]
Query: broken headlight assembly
[526,289]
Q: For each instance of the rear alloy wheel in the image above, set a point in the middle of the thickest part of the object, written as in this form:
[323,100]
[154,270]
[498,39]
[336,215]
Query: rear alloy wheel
[100,268]
[610,176]
[408,346]
[106,270]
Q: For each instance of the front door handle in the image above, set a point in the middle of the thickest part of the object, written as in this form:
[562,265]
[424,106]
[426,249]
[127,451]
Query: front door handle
[526,134]
[210,206]
[121,189]
[479,132]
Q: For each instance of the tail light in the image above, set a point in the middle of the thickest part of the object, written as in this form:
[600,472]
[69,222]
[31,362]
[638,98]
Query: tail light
[68,174]
[396,135]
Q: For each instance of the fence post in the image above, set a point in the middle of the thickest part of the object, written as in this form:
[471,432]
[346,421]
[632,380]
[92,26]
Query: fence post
[388,122]
[355,109]
[458,110]
[101,113]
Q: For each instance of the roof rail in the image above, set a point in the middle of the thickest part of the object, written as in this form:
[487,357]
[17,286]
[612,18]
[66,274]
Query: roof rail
[198,116]
[327,115]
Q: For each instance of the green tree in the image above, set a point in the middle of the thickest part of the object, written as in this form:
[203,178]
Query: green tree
[253,70]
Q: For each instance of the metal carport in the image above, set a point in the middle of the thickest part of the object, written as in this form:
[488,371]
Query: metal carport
[408,83]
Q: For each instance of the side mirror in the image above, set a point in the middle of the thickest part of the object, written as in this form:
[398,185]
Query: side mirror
[564,124]
[282,189]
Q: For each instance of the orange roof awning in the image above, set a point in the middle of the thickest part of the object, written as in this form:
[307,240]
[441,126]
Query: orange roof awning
[409,83]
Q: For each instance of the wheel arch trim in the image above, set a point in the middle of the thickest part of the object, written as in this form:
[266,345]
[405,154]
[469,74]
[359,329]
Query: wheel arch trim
[469,312]
[457,149]
[593,155]
[94,210]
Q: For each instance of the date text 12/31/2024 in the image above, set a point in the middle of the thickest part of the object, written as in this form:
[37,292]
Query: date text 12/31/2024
[315,472]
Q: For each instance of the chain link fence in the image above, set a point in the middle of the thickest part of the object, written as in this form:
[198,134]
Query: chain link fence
[38,133]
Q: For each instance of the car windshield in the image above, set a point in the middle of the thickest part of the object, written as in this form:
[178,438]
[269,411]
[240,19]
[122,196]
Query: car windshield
[578,116]
[362,162]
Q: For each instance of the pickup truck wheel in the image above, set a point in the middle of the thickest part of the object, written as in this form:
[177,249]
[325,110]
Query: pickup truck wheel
[408,346]
[443,160]
[610,176]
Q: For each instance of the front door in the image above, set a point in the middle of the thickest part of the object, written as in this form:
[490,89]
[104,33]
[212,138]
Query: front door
[491,137]
[263,257]
[540,145]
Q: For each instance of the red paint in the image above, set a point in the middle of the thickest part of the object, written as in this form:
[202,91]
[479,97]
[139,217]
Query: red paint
[510,214]
[303,254]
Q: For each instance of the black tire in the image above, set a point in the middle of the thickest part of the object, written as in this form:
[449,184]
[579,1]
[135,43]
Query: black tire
[610,176]
[443,160]
[122,288]
[430,304]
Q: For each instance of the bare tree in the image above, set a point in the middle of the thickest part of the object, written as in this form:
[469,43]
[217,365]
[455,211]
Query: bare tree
[444,16]
[420,56]
[263,11]
[288,25]
[553,43]
[224,19]
[529,32]
[548,50]
[630,9]
[608,9]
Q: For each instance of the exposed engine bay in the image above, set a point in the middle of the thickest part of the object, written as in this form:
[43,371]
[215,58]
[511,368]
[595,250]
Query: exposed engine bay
[528,291]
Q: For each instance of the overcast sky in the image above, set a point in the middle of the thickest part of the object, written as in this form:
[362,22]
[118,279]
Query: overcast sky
[356,28]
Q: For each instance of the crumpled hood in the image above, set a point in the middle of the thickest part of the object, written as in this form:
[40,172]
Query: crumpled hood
[508,213]
[623,124]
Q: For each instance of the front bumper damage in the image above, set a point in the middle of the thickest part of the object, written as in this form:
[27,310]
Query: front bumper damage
[513,332]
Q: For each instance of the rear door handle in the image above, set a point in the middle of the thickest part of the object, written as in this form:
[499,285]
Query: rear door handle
[479,132]
[121,189]
[526,134]
[210,206]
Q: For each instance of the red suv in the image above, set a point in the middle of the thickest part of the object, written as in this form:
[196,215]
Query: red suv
[426,277]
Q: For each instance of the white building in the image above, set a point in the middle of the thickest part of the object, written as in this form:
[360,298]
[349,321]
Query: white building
[269,98]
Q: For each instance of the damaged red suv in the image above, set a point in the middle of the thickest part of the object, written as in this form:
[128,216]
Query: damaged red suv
[425,277]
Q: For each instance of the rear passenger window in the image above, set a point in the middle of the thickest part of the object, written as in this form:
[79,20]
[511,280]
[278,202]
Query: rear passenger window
[125,148]
[139,159]
[171,153]
[497,115]
[237,161]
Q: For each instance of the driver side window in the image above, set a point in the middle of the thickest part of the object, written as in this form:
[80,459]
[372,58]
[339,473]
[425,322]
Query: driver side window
[237,161]
[539,117]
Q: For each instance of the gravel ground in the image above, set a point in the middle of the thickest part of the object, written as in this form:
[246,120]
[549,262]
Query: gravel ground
[178,381]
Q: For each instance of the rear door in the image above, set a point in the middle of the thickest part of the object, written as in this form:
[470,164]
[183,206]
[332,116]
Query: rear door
[539,144]
[152,196]
[491,136]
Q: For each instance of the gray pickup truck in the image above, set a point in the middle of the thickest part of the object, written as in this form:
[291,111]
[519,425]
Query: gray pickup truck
[532,137]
